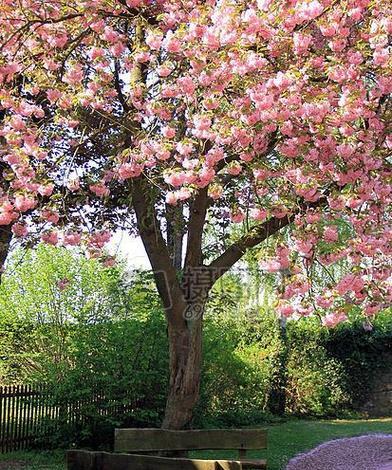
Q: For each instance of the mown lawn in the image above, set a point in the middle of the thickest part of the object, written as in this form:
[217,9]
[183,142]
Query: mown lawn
[285,440]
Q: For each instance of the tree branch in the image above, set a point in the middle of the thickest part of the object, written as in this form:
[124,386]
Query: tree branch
[175,226]
[255,235]
[235,252]
[197,217]
[118,87]
[157,251]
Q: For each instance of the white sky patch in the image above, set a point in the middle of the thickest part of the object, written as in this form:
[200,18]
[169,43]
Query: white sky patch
[130,248]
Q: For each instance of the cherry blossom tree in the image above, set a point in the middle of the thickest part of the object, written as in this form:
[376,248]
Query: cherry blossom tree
[168,116]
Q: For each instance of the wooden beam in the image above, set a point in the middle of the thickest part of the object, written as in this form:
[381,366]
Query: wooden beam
[142,440]
[86,460]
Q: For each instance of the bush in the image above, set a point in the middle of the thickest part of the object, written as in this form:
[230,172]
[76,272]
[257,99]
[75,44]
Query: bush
[331,371]
[95,336]
[316,381]
[235,376]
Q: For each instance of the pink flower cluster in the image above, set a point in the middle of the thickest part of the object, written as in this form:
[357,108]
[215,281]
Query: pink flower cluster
[277,109]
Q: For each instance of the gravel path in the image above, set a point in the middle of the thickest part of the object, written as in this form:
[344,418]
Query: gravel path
[370,452]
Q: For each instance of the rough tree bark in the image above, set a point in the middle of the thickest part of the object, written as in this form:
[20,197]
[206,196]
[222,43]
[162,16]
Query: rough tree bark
[185,349]
[5,241]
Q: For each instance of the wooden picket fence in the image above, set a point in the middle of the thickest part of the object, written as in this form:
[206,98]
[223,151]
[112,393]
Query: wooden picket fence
[29,414]
[25,416]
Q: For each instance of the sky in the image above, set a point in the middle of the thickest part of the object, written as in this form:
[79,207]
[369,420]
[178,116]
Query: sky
[131,248]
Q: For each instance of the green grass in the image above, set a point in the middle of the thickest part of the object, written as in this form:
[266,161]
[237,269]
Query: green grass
[284,441]
[292,437]
[33,460]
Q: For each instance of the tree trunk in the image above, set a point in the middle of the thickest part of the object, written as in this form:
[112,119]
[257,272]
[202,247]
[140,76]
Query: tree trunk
[5,241]
[277,398]
[185,350]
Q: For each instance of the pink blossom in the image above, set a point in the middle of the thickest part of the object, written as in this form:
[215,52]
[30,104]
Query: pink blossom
[99,239]
[109,262]
[53,95]
[17,123]
[110,35]
[333,319]
[331,234]
[60,40]
[12,159]
[62,284]
[285,310]
[202,123]
[50,237]
[99,189]
[50,216]
[371,310]
[154,40]
[271,266]
[305,247]
[324,302]
[237,217]
[183,194]
[142,57]
[168,132]
[171,44]
[45,189]
[310,10]
[312,217]
[345,151]
[72,238]
[350,282]
[187,85]
[74,75]
[97,52]
[184,148]
[73,184]
[7,217]
[175,179]
[164,71]
[134,3]
[24,203]
[258,214]
[171,198]
[234,169]
[215,155]
[301,43]
[381,57]
[117,49]
[129,170]
[20,230]
[206,175]
[210,39]
[309,194]
[98,26]
[279,212]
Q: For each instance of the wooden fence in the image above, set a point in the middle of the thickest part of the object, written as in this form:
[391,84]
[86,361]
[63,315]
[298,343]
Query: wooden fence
[29,414]
[25,416]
